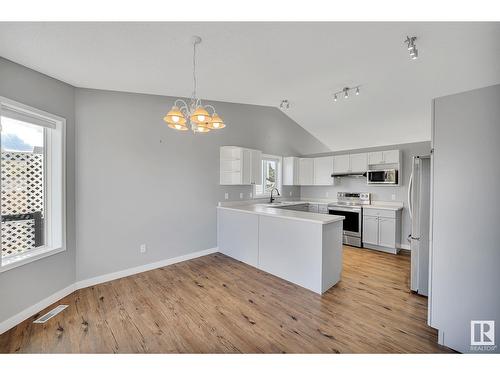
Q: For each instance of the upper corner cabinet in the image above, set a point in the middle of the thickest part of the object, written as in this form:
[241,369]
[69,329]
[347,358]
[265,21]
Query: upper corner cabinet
[291,171]
[240,166]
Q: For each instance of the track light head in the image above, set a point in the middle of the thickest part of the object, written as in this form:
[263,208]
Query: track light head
[412,48]
[285,104]
[335,98]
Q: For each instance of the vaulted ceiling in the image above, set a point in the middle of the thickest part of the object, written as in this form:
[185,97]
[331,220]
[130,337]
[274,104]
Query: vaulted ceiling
[263,63]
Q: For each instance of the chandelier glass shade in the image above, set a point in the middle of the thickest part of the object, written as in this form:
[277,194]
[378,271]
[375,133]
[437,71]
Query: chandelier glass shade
[195,116]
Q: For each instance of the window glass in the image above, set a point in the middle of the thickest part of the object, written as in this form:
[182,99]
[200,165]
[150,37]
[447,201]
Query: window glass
[22,186]
[270,176]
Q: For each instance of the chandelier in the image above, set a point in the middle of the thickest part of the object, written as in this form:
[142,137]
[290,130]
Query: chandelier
[195,115]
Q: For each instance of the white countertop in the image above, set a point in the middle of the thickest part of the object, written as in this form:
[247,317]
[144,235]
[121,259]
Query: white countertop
[262,209]
[385,206]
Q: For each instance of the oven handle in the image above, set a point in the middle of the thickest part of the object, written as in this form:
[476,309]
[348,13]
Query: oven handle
[344,209]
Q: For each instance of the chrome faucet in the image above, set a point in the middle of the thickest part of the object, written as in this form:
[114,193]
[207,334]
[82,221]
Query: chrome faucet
[271,200]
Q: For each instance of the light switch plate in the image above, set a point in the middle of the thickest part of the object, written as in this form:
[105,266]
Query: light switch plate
[241,195]
[393,197]
[142,249]
[226,195]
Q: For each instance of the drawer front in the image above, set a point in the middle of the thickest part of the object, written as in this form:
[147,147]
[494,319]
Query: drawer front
[379,212]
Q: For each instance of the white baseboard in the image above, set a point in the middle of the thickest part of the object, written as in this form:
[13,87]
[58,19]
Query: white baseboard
[405,247]
[145,267]
[37,307]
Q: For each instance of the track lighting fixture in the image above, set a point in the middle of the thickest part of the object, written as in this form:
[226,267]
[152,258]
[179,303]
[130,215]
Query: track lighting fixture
[285,104]
[345,92]
[412,48]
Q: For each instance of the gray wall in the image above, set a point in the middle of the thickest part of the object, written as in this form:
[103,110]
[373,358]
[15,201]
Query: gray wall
[24,286]
[141,182]
[380,193]
[465,258]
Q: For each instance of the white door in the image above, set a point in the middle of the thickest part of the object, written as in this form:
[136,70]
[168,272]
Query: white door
[358,163]
[376,157]
[370,229]
[341,163]
[323,168]
[387,232]
[256,175]
[306,171]
[290,171]
[246,169]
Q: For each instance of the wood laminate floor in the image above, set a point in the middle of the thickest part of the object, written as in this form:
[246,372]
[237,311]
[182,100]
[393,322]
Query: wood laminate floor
[215,304]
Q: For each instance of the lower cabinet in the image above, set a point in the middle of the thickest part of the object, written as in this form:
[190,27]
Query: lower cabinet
[382,230]
[370,230]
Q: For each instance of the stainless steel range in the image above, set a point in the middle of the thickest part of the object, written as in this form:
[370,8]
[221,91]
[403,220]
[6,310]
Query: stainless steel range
[350,205]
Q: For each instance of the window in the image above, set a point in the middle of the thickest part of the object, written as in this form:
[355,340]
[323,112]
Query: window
[32,195]
[271,175]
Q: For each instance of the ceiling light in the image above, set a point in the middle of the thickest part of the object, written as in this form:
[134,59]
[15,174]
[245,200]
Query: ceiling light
[200,120]
[285,104]
[412,48]
[345,92]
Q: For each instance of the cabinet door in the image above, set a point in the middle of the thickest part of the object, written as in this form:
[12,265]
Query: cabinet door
[246,167]
[341,163]
[370,229]
[306,171]
[376,157]
[323,168]
[290,171]
[387,232]
[256,175]
[358,163]
[391,156]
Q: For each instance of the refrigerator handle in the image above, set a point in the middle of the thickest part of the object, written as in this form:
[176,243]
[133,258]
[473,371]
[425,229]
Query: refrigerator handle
[409,194]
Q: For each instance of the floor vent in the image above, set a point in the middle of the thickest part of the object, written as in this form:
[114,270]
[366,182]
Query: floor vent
[50,314]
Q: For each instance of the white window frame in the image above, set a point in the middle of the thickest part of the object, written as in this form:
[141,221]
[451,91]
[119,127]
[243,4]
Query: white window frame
[277,158]
[55,184]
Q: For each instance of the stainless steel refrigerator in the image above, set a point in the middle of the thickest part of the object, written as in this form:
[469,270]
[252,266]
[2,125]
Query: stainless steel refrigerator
[419,205]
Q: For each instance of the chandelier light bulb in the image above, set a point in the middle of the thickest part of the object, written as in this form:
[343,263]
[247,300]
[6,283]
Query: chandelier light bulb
[346,94]
[201,118]
[175,118]
[216,125]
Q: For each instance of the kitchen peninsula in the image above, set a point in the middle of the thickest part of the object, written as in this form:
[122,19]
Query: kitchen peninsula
[304,248]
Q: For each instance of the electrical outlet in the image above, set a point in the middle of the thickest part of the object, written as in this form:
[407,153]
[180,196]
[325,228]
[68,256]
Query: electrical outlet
[393,197]
[291,193]
[250,195]
[142,249]
[241,195]
[327,194]
[226,195]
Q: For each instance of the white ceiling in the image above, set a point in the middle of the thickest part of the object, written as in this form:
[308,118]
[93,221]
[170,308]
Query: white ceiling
[262,63]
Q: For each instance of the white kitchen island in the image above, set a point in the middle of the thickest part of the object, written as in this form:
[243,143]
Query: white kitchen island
[301,247]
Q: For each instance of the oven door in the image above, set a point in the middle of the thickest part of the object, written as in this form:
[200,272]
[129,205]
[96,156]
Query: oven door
[352,221]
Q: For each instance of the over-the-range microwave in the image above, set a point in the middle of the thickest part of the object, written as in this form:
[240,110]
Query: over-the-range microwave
[382,176]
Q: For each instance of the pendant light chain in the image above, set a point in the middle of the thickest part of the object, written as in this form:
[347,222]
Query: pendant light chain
[194,116]
[194,71]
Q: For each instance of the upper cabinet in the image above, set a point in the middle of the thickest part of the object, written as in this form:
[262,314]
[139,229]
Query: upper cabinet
[358,163]
[306,171]
[240,166]
[291,170]
[323,168]
[350,163]
[341,164]
[384,157]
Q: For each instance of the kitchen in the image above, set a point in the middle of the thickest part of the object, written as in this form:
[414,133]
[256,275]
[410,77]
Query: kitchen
[372,217]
